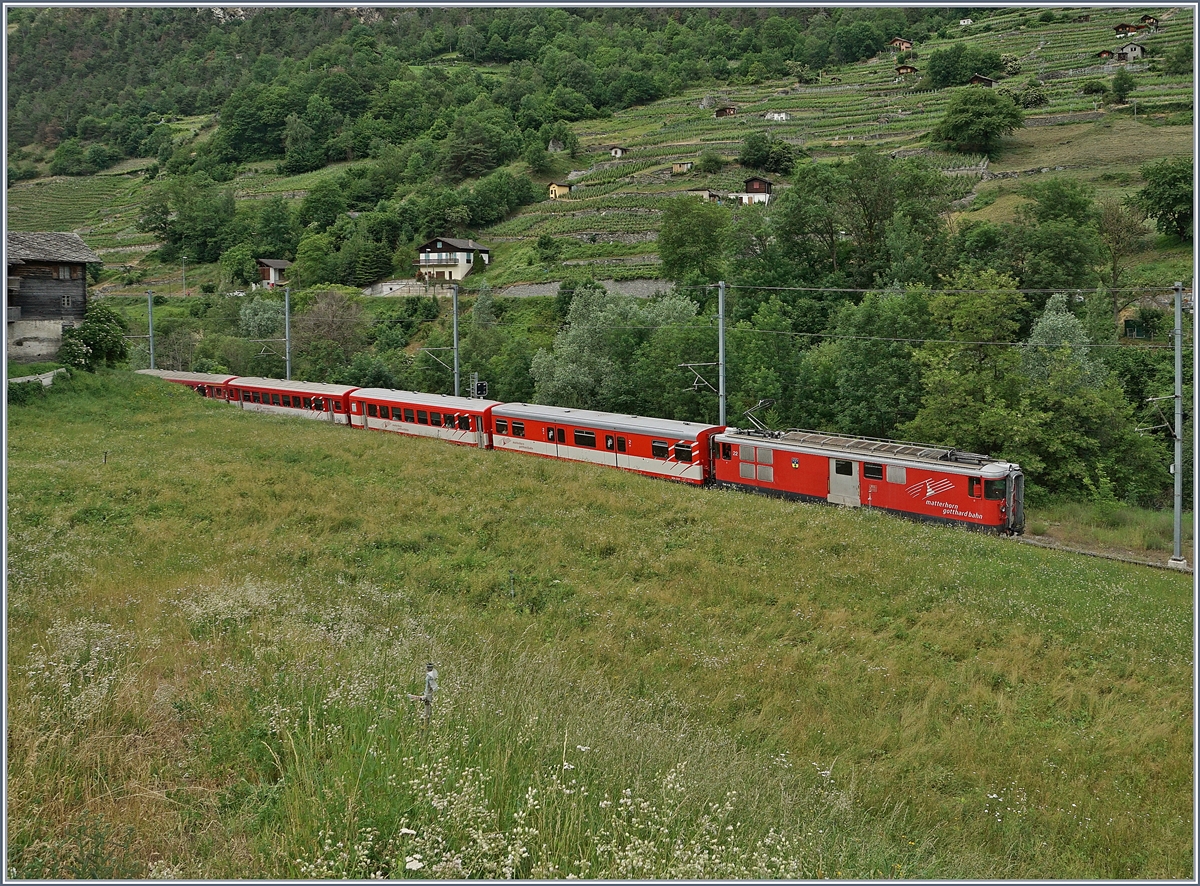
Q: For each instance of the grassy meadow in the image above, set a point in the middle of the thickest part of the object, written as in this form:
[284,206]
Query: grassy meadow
[214,619]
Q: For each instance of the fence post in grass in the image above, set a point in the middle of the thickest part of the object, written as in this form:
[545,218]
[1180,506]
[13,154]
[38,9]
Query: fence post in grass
[431,678]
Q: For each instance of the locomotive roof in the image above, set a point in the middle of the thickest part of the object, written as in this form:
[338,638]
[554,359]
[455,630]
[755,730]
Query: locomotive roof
[871,446]
[633,424]
[200,378]
[444,400]
[304,387]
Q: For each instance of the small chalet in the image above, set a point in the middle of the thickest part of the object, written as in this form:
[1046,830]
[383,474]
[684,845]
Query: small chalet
[980,80]
[1149,22]
[45,291]
[1123,29]
[618,151]
[725,111]
[681,167]
[558,191]
[271,270]
[899,44]
[963,22]
[780,116]
[756,190]
[1106,53]
[705,194]
[1130,51]
[448,258]
[905,70]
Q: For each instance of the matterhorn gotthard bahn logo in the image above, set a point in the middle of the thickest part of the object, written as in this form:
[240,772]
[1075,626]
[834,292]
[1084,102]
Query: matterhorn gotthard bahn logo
[930,488]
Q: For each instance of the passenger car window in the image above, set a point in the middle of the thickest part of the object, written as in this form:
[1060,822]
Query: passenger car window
[683,452]
[872,472]
[659,449]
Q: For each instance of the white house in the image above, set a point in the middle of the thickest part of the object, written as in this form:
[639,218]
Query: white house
[271,270]
[618,151]
[1130,52]
[448,258]
[777,115]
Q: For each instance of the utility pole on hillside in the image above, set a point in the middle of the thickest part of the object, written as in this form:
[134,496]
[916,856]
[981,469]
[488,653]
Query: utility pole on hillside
[1177,561]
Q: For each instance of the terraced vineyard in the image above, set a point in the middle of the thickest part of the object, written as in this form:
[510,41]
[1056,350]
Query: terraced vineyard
[615,203]
[615,206]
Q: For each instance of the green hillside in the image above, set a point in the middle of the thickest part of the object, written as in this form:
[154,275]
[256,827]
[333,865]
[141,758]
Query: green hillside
[614,212]
[209,655]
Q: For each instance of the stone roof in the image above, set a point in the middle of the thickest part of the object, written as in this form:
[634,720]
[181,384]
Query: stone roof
[47,246]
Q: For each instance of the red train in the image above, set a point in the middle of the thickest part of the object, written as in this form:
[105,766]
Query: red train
[923,482]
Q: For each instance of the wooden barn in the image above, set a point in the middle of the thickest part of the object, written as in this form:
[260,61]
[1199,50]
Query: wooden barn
[45,292]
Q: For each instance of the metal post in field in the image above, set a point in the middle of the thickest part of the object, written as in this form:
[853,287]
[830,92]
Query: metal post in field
[287,330]
[455,290]
[150,311]
[721,349]
[1177,560]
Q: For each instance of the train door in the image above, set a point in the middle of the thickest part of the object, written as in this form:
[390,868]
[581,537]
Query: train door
[843,482]
[622,452]
[610,448]
[557,437]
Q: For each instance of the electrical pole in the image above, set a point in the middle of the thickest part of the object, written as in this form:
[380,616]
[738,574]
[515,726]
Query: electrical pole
[721,350]
[287,330]
[455,290]
[150,312]
[1177,561]
[184,257]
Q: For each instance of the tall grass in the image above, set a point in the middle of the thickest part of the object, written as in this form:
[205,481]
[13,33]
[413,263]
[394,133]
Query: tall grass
[215,619]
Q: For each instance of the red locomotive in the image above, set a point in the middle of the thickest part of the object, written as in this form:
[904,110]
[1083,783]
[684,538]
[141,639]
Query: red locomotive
[923,482]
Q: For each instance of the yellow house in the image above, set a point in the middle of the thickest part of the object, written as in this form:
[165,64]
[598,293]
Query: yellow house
[557,190]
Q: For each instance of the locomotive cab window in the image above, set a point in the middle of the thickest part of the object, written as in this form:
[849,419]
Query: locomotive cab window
[845,468]
[659,449]
[501,426]
[994,490]
[872,472]
[726,451]
[585,438]
[683,452]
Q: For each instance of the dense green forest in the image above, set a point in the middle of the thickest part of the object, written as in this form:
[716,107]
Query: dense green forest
[857,302]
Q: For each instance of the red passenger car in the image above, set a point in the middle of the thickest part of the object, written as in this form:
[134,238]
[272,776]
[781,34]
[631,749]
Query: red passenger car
[677,450]
[456,419]
[926,482]
[304,398]
[205,384]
